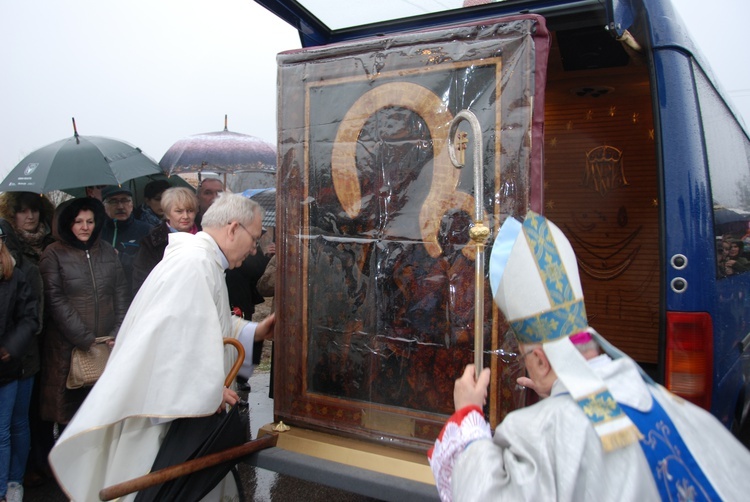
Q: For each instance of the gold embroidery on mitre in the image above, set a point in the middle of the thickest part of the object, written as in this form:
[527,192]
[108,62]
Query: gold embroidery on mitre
[557,322]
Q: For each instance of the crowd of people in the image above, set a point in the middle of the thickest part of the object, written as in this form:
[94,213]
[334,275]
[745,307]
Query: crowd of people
[79,271]
[733,255]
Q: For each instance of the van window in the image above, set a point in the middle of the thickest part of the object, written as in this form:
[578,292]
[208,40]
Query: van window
[728,150]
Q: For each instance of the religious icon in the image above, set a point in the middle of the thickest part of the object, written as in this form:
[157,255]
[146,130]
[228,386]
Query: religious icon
[378,298]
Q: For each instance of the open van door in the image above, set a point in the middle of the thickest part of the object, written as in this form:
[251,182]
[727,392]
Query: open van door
[619,16]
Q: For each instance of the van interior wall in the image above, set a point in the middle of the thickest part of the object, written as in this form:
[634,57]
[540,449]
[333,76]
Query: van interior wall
[600,187]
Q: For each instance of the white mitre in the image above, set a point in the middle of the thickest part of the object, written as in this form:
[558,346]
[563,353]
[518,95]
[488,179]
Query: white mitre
[535,283]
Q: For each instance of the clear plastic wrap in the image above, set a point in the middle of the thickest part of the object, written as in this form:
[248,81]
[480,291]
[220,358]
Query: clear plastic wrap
[376,298]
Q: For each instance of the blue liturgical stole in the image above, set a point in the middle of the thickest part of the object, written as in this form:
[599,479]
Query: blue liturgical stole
[675,471]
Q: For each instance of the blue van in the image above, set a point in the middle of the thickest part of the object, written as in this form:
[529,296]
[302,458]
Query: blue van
[645,166]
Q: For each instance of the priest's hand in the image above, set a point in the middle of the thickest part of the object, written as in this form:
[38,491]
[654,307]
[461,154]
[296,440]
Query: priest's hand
[229,397]
[469,391]
[264,330]
[529,384]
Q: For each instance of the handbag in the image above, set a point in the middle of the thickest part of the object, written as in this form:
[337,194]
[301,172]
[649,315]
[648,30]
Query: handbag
[86,366]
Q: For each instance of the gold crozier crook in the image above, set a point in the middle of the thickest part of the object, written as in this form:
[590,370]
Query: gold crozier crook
[477,232]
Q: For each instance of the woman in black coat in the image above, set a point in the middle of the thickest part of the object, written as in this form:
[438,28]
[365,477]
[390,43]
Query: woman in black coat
[86,297]
[19,324]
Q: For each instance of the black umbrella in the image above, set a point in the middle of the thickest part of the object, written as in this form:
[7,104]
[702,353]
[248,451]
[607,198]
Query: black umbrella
[78,161]
[190,439]
[219,152]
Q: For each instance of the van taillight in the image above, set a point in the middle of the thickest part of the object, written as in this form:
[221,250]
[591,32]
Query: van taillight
[690,348]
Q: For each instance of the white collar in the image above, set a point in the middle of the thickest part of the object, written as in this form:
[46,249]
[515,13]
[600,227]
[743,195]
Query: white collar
[219,253]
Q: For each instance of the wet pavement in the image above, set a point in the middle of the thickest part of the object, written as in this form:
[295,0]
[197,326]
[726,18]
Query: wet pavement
[259,485]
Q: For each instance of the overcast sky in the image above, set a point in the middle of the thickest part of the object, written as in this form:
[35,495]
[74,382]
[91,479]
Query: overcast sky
[152,72]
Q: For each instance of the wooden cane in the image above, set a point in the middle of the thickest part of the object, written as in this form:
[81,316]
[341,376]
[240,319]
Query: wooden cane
[185,468]
[238,363]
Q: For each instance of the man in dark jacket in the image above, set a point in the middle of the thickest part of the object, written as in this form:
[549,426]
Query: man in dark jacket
[121,229]
[208,190]
[150,211]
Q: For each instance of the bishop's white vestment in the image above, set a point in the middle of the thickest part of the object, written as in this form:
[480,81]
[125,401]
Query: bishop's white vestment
[550,451]
[168,362]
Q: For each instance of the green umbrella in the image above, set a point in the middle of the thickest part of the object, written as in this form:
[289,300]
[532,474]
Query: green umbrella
[77,162]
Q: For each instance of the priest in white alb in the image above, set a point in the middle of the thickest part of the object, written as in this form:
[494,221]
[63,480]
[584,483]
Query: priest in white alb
[169,360]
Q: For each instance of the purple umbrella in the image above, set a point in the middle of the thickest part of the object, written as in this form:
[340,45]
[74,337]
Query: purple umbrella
[219,152]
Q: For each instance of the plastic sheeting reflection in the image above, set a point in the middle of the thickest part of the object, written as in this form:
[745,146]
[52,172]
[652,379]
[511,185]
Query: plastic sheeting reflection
[378,269]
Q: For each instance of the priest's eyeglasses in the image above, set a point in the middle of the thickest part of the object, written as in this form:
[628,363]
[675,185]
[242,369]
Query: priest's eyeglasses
[511,357]
[255,240]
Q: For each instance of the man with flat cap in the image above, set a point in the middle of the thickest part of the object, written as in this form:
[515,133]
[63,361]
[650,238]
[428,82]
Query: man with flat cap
[121,229]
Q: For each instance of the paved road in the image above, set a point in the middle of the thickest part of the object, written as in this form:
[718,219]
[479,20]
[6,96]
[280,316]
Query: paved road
[259,485]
